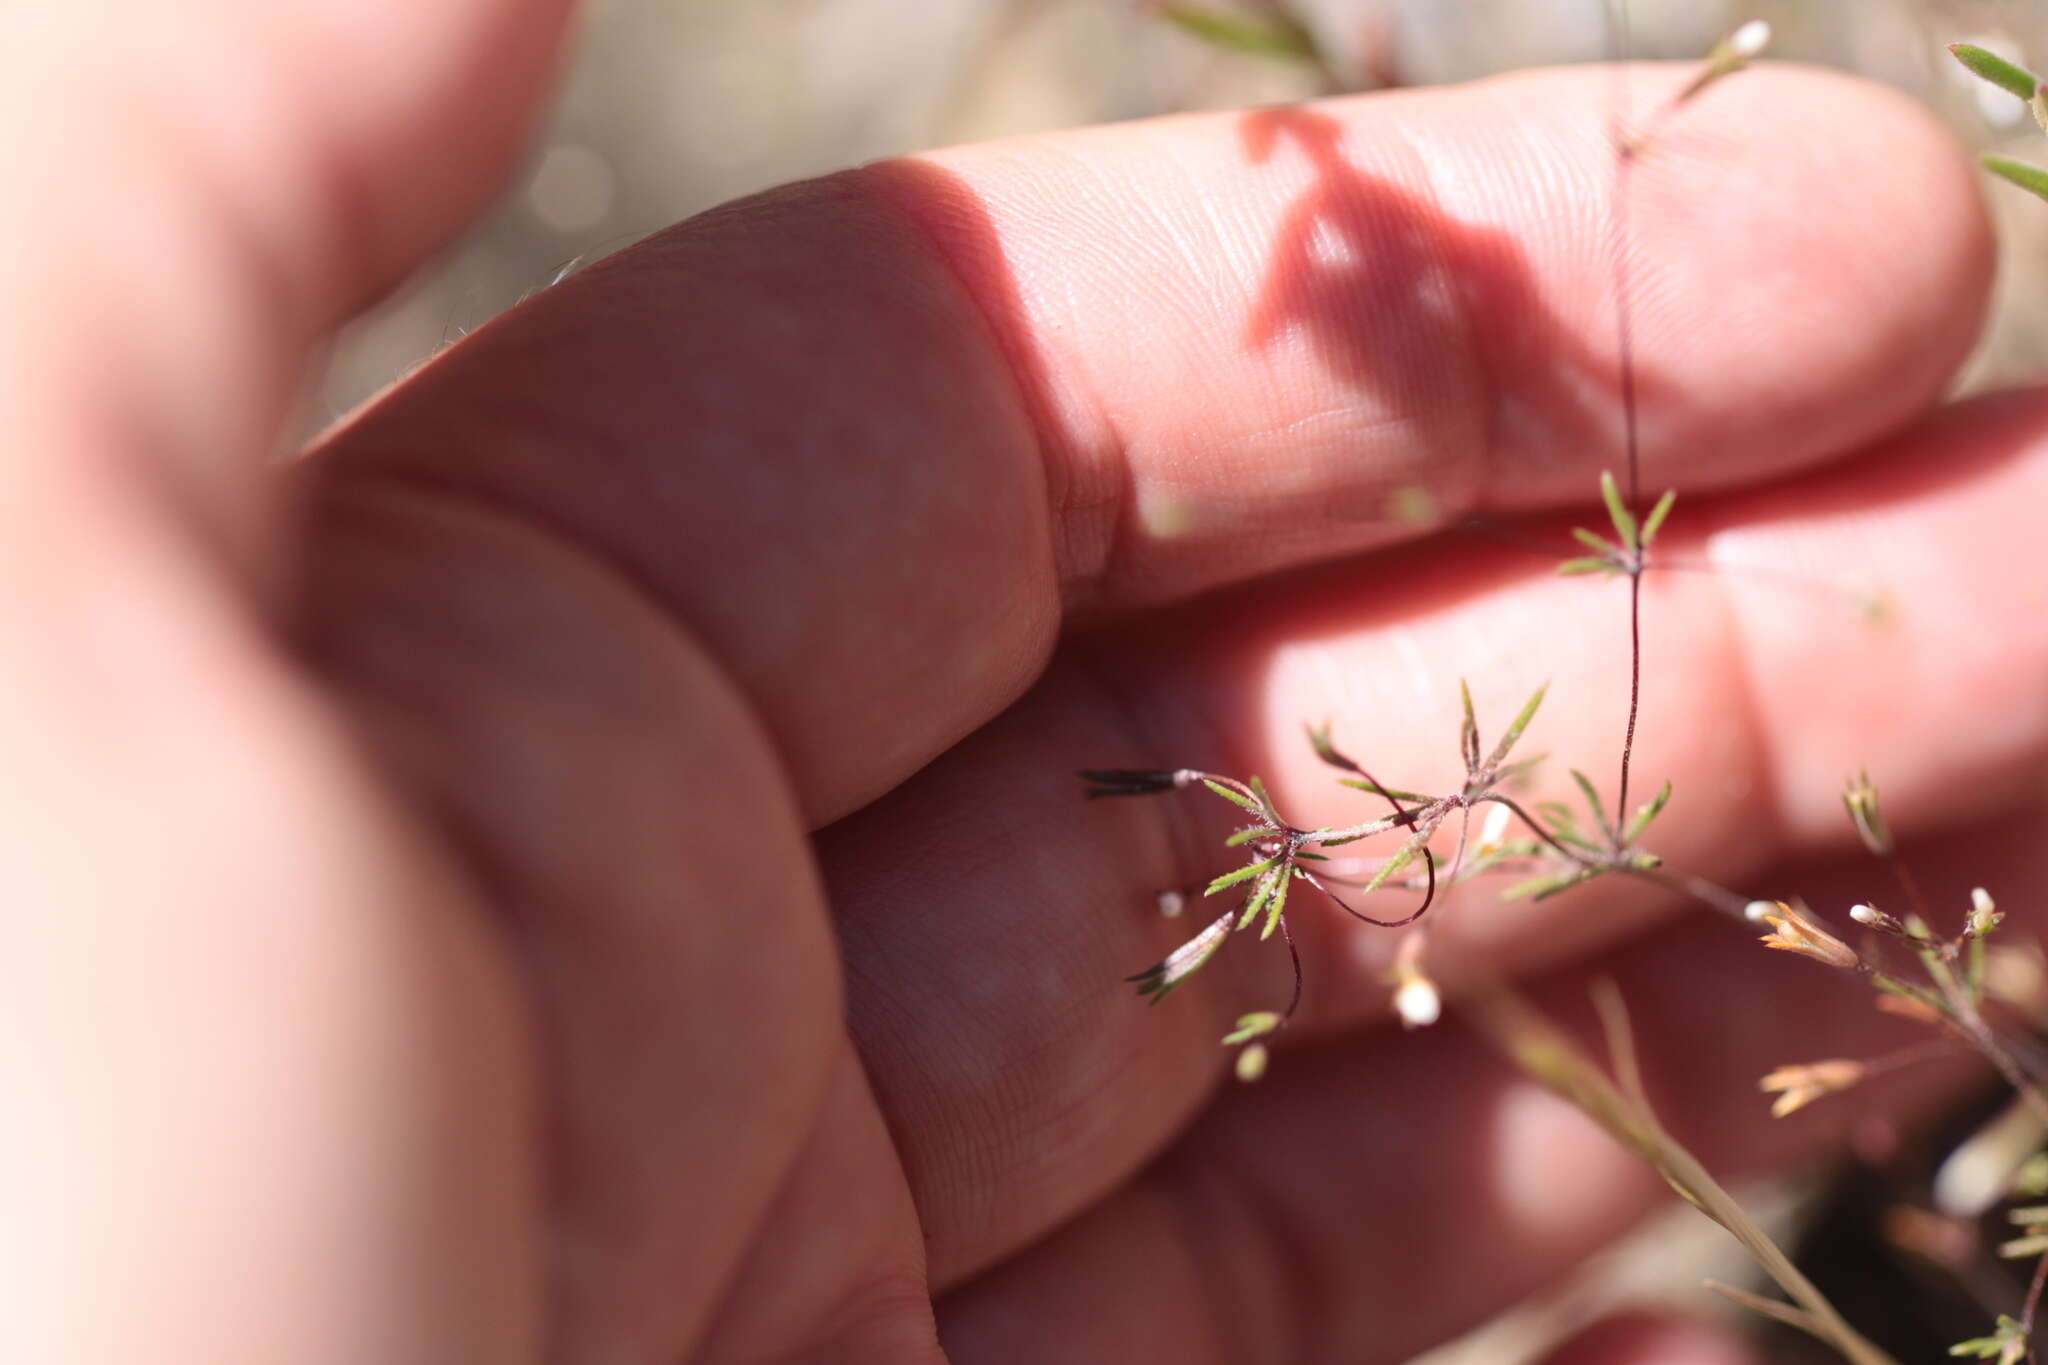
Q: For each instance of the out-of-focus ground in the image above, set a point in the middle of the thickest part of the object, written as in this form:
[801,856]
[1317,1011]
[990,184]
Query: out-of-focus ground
[671,106]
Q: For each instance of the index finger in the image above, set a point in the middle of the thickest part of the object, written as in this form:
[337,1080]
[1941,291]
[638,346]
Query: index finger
[885,429]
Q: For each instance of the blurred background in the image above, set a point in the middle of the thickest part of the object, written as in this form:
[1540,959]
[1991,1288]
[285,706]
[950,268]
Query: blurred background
[671,106]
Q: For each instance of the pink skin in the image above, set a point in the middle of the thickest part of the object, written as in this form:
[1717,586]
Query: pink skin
[589,867]
[1647,1339]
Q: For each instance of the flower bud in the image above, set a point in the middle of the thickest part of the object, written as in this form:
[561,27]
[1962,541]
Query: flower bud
[1417,1002]
[1795,932]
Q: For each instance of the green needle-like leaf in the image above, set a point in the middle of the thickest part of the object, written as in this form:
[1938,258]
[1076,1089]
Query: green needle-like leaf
[1277,906]
[1257,902]
[1242,874]
[1270,37]
[1593,802]
[1521,723]
[1228,794]
[2030,178]
[1468,726]
[1655,521]
[1573,567]
[1266,807]
[1367,785]
[1596,542]
[2014,80]
[1402,857]
[1647,812]
[1624,520]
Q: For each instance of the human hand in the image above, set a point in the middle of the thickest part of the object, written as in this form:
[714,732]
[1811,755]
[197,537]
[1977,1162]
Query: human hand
[596,871]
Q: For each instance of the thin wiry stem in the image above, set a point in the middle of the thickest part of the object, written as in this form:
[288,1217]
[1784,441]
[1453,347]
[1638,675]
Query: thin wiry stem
[1428,897]
[1294,956]
[2033,1307]
[1624,327]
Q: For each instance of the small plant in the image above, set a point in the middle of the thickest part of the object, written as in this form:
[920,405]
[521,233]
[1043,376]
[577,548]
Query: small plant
[1941,978]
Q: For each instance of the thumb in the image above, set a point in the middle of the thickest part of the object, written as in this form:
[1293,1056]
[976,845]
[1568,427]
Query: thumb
[267,1076]
[196,192]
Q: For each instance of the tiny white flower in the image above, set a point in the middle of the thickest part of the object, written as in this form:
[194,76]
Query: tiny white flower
[1417,1002]
[1756,911]
[1868,915]
[1751,39]
[1171,903]
[1493,830]
[1984,916]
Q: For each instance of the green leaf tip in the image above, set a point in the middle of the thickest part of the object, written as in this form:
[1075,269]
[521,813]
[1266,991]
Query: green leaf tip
[1235,797]
[1257,1024]
[2013,79]
[2033,179]
[1646,813]
[1519,724]
[1272,37]
[1596,542]
[1617,511]
[1276,907]
[1242,874]
[1655,521]
[1593,801]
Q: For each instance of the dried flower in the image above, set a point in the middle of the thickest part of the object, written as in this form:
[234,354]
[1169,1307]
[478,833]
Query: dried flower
[1796,932]
[1859,797]
[1183,962]
[1493,831]
[1799,1086]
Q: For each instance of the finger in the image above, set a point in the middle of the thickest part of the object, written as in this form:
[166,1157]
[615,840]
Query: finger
[1370,1200]
[1760,693]
[643,859]
[1654,1339]
[883,428]
[205,189]
[836,1273]
[274,1094]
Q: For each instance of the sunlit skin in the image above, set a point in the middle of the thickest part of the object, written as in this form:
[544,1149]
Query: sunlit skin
[588,865]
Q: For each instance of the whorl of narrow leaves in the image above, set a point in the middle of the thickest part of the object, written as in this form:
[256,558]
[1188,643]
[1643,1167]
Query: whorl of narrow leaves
[1624,554]
[2007,1345]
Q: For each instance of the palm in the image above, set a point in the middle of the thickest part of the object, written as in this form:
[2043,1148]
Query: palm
[728,622]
